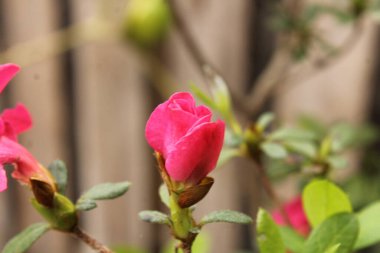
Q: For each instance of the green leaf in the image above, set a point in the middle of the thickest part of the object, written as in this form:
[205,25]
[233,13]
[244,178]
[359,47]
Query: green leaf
[274,150]
[305,148]
[268,235]
[226,216]
[333,249]
[322,199]
[292,134]
[106,191]
[85,205]
[264,120]
[207,100]
[59,171]
[226,154]
[337,161]
[341,229]
[369,226]
[164,195]
[154,217]
[292,240]
[101,192]
[24,240]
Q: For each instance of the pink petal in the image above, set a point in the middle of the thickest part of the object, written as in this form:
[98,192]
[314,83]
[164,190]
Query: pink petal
[18,119]
[3,179]
[26,166]
[7,72]
[172,120]
[196,154]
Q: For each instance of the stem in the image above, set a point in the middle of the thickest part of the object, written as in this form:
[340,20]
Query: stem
[181,217]
[92,242]
[186,248]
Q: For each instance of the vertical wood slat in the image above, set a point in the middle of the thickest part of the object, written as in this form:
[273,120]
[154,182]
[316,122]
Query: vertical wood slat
[112,108]
[220,29]
[39,88]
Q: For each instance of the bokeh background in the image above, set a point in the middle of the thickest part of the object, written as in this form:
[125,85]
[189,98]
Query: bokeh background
[90,92]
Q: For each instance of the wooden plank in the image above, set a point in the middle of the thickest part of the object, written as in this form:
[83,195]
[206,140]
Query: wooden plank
[112,107]
[220,28]
[39,87]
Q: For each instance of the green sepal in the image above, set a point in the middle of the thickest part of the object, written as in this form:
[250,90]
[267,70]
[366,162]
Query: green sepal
[24,240]
[62,216]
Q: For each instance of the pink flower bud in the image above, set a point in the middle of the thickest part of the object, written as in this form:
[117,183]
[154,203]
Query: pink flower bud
[186,138]
[295,215]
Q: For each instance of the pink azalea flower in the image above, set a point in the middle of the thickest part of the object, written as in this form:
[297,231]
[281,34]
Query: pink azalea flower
[296,216]
[13,122]
[25,165]
[186,138]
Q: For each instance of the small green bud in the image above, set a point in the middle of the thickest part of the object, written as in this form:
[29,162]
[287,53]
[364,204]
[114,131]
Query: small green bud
[146,22]
[61,216]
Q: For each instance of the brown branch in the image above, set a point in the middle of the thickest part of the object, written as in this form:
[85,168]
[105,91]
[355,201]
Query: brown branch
[93,243]
[318,65]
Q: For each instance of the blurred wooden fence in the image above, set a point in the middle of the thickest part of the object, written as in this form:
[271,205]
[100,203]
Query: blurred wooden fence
[91,103]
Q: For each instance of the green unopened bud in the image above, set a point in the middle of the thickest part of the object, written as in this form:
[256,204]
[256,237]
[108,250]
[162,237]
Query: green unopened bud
[61,216]
[146,21]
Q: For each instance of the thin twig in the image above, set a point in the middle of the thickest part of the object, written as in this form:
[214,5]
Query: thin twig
[302,75]
[93,243]
[57,42]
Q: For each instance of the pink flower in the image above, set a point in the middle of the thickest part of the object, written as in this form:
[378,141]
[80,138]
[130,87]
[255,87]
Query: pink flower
[25,165]
[186,138]
[296,216]
[12,122]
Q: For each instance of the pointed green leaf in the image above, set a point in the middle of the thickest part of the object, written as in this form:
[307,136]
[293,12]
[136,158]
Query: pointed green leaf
[305,148]
[292,134]
[154,217]
[226,216]
[24,240]
[268,235]
[85,205]
[292,240]
[264,120]
[341,229]
[322,199]
[164,195]
[369,226]
[59,171]
[207,100]
[107,191]
[333,249]
[101,192]
[274,150]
